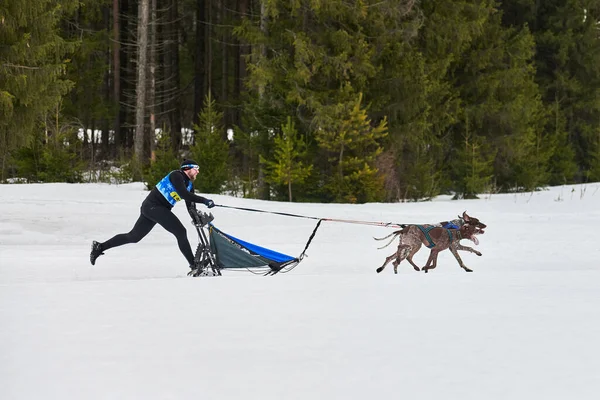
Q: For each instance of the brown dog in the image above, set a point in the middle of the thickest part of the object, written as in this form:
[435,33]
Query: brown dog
[454,224]
[435,238]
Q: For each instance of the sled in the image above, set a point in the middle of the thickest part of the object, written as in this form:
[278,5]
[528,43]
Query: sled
[218,251]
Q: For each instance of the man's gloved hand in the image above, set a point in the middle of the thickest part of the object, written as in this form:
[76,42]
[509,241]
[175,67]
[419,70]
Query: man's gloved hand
[209,203]
[194,214]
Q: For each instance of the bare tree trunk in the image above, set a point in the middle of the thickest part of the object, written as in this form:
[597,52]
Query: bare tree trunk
[116,73]
[263,186]
[126,76]
[264,29]
[175,104]
[199,66]
[240,67]
[152,80]
[140,105]
[239,76]
[105,119]
[93,139]
[4,154]
[208,54]
[225,69]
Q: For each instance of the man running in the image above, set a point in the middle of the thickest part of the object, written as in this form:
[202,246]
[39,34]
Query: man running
[156,209]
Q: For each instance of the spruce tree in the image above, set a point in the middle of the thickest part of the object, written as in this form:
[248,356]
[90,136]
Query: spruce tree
[426,143]
[165,160]
[87,104]
[33,59]
[352,144]
[500,102]
[567,60]
[472,167]
[594,172]
[319,56]
[287,166]
[210,149]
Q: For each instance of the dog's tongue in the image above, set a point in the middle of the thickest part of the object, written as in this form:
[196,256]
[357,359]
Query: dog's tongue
[475,240]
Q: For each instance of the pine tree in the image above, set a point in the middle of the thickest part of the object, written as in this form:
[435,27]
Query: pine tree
[33,59]
[424,144]
[165,160]
[594,172]
[562,159]
[320,55]
[287,167]
[352,144]
[501,104]
[472,167]
[567,63]
[210,149]
[570,49]
[87,104]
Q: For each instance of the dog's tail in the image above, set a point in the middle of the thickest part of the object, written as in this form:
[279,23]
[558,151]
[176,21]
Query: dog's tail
[391,234]
[394,234]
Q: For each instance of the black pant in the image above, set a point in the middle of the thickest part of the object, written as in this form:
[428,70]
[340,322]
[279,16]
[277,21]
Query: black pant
[150,215]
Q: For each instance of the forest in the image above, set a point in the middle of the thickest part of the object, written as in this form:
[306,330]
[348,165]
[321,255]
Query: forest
[347,101]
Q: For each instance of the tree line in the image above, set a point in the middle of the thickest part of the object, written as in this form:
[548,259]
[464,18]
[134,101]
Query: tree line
[302,100]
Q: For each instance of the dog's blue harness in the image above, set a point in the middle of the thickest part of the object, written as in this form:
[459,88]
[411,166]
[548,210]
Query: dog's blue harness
[450,225]
[426,229]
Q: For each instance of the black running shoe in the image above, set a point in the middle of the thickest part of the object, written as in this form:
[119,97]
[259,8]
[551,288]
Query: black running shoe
[193,270]
[96,252]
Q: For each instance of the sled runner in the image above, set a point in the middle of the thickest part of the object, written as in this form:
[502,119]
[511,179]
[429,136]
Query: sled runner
[219,251]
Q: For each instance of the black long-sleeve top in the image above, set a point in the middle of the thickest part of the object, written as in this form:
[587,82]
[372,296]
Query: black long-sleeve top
[179,180]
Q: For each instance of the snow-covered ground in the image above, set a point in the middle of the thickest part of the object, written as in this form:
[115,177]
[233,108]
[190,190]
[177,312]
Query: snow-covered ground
[524,325]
